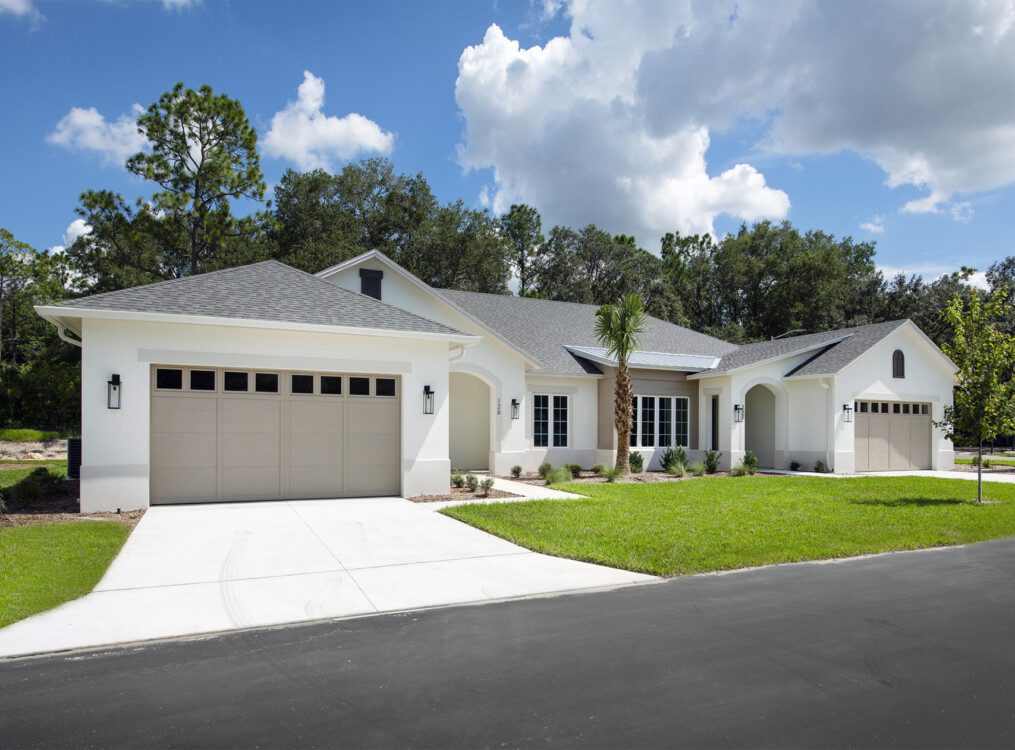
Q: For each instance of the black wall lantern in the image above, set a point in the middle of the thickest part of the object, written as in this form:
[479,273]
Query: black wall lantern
[113,392]
[847,413]
[514,408]
[738,413]
[428,398]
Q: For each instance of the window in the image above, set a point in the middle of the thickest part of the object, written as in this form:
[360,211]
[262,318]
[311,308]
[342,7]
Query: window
[863,407]
[202,380]
[169,379]
[303,384]
[235,381]
[896,408]
[385,387]
[560,421]
[331,385]
[898,364]
[266,382]
[905,408]
[884,408]
[540,421]
[923,409]
[660,421]
[359,386]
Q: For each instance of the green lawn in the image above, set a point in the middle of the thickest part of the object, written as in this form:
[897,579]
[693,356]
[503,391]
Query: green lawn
[720,523]
[10,476]
[998,461]
[18,435]
[50,563]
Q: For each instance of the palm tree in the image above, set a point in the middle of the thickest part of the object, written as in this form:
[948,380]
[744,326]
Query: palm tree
[617,327]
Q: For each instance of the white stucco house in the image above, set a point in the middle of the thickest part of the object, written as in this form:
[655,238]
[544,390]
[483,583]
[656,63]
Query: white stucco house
[265,382]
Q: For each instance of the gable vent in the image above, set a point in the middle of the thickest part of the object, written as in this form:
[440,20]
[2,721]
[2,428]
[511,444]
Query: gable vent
[370,282]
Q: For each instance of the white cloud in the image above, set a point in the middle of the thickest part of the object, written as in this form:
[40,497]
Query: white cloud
[874,226]
[55,249]
[304,135]
[932,273]
[87,130]
[24,8]
[611,123]
[75,229]
[179,4]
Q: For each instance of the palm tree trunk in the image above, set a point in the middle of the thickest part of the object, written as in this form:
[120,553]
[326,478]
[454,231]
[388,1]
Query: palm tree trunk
[622,416]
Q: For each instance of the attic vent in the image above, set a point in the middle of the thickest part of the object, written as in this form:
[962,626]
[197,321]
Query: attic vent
[370,282]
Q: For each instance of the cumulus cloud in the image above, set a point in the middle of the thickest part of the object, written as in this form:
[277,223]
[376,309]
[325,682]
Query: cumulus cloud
[304,135]
[612,122]
[86,129]
[179,4]
[874,226]
[934,272]
[24,8]
[76,229]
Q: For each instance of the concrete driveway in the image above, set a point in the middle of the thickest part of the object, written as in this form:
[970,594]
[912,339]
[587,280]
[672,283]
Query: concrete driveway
[205,568]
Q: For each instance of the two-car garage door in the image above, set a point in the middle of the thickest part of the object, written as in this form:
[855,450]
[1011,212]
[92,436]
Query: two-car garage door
[221,435]
[891,435]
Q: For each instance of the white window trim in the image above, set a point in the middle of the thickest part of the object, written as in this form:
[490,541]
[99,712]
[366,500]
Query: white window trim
[549,420]
[636,422]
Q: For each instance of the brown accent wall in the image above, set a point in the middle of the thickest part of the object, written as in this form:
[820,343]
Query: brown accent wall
[645,383]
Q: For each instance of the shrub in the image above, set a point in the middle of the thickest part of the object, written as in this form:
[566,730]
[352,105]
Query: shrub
[40,482]
[986,463]
[516,471]
[637,462]
[558,476]
[794,465]
[675,455]
[487,485]
[3,504]
[820,467]
[598,470]
[575,469]
[676,468]
[739,470]
[712,459]
[457,480]
[545,468]
[611,474]
[750,462]
[472,482]
[697,469]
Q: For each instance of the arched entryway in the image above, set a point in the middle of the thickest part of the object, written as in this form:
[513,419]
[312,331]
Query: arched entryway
[759,425]
[470,400]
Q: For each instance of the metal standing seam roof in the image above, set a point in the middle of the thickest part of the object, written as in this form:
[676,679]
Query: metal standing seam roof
[268,290]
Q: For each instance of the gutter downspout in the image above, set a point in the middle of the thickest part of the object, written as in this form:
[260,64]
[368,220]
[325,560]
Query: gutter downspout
[829,418]
[456,357]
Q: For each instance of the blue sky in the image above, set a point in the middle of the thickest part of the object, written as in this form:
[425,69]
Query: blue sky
[585,130]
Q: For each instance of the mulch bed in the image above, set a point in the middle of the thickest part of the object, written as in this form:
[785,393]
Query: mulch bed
[587,477]
[462,493]
[61,507]
[995,468]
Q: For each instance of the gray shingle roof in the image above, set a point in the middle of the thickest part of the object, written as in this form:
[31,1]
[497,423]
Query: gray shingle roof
[262,291]
[542,328]
[833,349]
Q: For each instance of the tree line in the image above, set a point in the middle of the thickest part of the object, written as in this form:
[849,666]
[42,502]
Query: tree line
[202,164]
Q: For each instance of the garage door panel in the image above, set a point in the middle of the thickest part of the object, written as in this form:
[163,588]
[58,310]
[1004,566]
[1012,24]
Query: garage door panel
[250,450]
[374,416]
[193,414]
[251,482]
[312,450]
[381,479]
[920,441]
[373,450]
[183,449]
[894,436]
[878,442]
[170,484]
[316,417]
[861,442]
[898,453]
[316,481]
[251,415]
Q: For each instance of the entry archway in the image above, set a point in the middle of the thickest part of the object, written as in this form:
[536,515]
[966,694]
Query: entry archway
[469,401]
[759,424]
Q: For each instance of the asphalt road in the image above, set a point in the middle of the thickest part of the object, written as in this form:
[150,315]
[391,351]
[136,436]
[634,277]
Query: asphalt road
[908,650]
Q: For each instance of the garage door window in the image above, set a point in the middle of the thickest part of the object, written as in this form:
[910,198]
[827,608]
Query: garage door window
[303,384]
[266,382]
[331,385]
[202,380]
[168,380]
[385,387]
[359,386]
[235,381]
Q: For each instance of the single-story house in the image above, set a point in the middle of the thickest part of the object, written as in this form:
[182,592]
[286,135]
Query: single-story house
[264,382]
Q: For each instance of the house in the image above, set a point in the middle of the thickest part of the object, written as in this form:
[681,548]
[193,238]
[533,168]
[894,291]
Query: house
[264,382]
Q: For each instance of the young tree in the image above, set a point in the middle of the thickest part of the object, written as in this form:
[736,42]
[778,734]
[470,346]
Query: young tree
[203,154]
[985,355]
[617,328]
[523,230]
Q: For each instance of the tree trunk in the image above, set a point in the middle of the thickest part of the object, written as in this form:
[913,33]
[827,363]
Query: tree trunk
[979,473]
[622,416]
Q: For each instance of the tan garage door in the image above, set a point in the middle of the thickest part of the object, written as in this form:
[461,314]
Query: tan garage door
[220,435]
[891,435]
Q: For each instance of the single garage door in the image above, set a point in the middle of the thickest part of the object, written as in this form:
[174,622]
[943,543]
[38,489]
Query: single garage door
[220,435]
[891,435]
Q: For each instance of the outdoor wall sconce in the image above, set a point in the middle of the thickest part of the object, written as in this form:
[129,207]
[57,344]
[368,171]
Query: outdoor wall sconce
[428,398]
[738,413]
[847,413]
[514,408]
[113,392]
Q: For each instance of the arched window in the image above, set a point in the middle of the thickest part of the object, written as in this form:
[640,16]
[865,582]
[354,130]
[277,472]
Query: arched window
[898,364]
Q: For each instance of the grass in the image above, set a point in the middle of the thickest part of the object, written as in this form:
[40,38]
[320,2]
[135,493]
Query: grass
[998,461]
[19,435]
[722,523]
[9,477]
[47,564]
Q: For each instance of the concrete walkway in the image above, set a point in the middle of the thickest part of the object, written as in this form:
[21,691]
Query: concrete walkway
[968,475]
[204,568]
[523,490]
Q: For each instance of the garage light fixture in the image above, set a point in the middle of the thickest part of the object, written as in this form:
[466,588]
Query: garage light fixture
[113,392]
[428,398]
[847,413]
[514,408]
[738,412]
